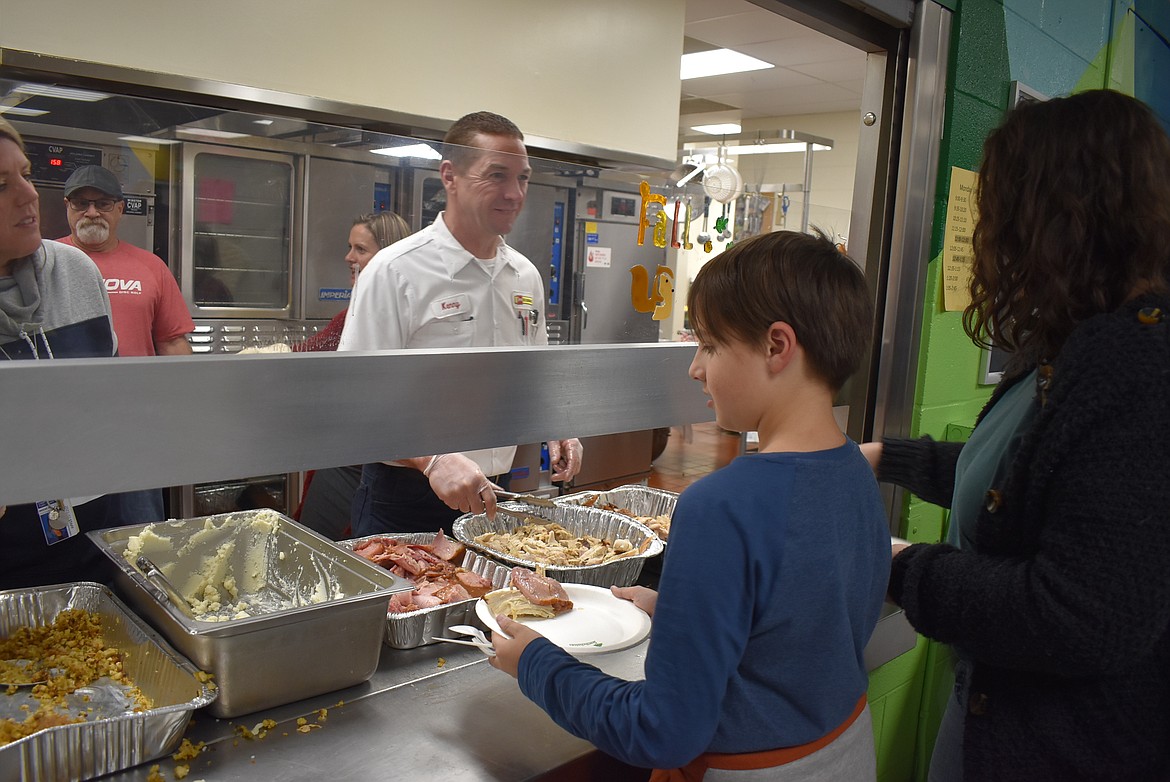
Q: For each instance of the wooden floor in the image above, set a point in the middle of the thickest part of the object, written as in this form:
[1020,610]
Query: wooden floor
[684,462]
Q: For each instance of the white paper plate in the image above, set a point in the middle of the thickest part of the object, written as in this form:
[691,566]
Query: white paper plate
[599,622]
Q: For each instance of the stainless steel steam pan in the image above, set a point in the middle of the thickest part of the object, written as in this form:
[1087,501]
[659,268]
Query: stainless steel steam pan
[637,499]
[292,650]
[112,738]
[419,628]
[579,520]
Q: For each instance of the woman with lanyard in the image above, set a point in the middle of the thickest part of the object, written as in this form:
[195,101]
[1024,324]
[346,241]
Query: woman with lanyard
[53,305]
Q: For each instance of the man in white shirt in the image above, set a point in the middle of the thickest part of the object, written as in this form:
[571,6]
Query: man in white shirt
[454,284]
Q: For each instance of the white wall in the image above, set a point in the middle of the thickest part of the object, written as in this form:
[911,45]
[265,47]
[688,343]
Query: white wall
[603,73]
[833,173]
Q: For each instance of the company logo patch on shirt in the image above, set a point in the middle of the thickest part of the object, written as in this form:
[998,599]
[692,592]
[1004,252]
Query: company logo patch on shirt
[114,285]
[521,299]
[454,305]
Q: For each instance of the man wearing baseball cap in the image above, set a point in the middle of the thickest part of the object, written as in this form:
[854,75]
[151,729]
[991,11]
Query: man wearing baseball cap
[150,316]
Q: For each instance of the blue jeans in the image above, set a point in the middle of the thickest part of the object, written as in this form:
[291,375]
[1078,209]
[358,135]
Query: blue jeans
[140,507]
[946,764]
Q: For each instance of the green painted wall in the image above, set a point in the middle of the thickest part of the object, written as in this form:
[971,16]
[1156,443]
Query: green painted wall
[1055,48]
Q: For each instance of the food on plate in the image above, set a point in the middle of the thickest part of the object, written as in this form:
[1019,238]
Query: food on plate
[430,567]
[548,543]
[659,524]
[531,595]
[69,654]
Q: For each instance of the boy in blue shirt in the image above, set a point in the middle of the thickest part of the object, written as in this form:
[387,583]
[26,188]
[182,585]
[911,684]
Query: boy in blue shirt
[777,564]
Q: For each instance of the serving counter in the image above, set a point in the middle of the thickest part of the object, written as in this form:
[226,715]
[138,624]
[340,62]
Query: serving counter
[434,712]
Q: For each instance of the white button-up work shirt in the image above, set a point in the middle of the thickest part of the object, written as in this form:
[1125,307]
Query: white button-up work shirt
[427,291]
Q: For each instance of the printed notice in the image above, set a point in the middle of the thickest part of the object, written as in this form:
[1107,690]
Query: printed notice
[957,255]
[598,256]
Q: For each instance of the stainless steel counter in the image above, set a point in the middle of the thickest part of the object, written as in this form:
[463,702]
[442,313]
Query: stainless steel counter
[439,712]
[417,718]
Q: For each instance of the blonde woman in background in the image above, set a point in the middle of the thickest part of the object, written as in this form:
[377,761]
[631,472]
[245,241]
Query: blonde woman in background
[328,494]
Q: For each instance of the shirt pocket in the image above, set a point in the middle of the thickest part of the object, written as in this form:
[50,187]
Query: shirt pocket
[456,331]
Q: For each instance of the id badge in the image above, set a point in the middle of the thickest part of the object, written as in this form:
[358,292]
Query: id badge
[58,521]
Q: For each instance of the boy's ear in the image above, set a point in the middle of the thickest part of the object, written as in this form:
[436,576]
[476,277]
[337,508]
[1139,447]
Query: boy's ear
[781,345]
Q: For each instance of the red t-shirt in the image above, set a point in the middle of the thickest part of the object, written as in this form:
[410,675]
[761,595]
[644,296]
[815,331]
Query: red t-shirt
[144,298]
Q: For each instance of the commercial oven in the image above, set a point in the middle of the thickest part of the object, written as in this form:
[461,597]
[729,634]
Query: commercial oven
[53,161]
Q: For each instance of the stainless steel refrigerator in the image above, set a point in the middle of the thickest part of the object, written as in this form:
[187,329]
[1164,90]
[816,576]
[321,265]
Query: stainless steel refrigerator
[605,250]
[600,310]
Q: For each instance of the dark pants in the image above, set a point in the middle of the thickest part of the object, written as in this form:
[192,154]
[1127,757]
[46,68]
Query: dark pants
[328,501]
[140,507]
[399,499]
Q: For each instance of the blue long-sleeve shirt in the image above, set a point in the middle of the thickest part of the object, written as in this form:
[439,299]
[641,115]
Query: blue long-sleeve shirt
[772,583]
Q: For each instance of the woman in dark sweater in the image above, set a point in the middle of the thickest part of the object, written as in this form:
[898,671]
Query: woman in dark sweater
[1053,588]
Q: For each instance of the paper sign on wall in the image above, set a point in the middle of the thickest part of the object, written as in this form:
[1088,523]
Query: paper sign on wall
[957,255]
[598,256]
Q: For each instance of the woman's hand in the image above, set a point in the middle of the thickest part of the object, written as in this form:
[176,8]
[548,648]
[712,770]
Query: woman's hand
[642,597]
[508,650]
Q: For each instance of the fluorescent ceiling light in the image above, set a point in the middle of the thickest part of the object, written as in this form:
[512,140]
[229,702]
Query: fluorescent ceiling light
[769,149]
[716,62]
[147,140]
[20,111]
[262,122]
[410,150]
[209,133]
[718,130]
[64,93]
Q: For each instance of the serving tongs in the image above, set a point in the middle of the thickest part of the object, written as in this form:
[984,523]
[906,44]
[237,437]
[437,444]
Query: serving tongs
[159,579]
[526,499]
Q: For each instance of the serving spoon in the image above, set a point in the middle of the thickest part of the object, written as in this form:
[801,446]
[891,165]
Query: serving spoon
[20,673]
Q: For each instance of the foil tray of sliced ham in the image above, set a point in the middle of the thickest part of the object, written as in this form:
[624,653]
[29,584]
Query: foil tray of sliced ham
[412,629]
[579,520]
[635,498]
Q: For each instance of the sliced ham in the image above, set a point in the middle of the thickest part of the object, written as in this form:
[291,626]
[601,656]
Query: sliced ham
[430,566]
[541,590]
[445,548]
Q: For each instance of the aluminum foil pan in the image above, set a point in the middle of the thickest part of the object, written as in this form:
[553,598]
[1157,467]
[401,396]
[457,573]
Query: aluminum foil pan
[315,603]
[112,738]
[579,520]
[419,628]
[637,499]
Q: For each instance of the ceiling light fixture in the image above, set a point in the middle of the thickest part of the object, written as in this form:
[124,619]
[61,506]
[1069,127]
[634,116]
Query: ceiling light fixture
[64,93]
[210,133]
[410,150]
[721,129]
[771,149]
[147,140]
[20,111]
[717,62]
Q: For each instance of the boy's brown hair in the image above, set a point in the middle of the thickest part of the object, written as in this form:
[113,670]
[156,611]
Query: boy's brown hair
[800,279]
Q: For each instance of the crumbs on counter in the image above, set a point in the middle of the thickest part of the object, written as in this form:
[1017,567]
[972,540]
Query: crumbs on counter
[188,751]
[257,731]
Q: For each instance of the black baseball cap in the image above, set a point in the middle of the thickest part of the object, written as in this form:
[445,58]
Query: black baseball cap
[95,177]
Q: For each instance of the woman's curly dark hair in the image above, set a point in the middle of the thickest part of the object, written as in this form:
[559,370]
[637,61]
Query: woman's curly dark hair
[1074,220]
